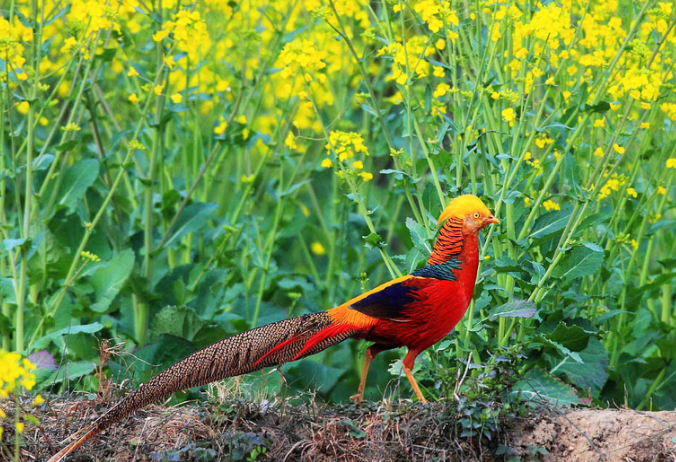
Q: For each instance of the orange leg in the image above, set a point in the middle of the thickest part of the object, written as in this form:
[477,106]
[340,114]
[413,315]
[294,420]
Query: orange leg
[407,365]
[371,353]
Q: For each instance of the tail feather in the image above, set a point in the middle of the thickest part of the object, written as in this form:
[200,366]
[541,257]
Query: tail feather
[269,345]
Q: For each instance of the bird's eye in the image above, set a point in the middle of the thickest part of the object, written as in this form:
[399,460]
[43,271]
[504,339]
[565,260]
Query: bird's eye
[476,215]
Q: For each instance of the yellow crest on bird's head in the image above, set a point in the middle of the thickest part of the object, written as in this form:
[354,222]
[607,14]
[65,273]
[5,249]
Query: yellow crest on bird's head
[462,206]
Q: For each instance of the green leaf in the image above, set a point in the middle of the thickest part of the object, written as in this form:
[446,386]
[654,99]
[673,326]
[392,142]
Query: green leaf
[538,385]
[43,342]
[176,320]
[373,240]
[571,175]
[193,218]
[11,243]
[71,371]
[76,180]
[418,236]
[592,374]
[108,280]
[514,308]
[580,261]
[599,108]
[573,337]
[551,222]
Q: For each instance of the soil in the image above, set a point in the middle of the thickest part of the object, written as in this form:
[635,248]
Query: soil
[300,429]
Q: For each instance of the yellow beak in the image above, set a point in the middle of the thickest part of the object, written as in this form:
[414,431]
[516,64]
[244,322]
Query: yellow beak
[492,219]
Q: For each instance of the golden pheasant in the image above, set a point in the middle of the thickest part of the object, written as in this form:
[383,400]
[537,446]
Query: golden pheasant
[415,311]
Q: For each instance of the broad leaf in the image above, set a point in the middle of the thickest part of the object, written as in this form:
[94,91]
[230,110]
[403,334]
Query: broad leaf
[43,342]
[551,222]
[572,337]
[514,308]
[593,372]
[538,385]
[76,180]
[70,371]
[418,236]
[108,280]
[193,218]
[580,261]
[176,320]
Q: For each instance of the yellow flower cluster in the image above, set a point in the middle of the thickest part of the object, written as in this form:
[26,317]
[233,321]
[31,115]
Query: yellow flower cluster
[11,47]
[638,83]
[437,15]
[89,16]
[550,25]
[302,57]
[614,183]
[345,147]
[189,31]
[15,372]
[410,58]
[551,205]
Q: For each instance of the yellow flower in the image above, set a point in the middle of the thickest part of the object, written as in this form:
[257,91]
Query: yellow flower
[549,81]
[598,152]
[551,205]
[290,141]
[366,176]
[661,190]
[671,163]
[19,427]
[599,123]
[176,98]
[644,125]
[132,72]
[220,128]
[23,107]
[509,115]
[358,165]
[158,89]
[133,99]
[326,163]
[526,201]
[317,248]
[618,149]
[543,141]
[345,145]
[38,400]
[441,90]
[632,192]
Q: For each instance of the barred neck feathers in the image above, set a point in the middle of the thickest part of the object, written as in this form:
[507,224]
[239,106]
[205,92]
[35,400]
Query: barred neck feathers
[449,242]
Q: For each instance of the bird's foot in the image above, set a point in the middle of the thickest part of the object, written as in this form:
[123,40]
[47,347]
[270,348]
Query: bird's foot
[358,398]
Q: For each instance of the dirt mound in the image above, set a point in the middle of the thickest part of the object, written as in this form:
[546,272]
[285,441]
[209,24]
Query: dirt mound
[590,435]
[302,430]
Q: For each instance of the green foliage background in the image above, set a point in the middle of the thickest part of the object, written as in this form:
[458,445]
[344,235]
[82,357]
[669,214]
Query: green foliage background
[170,177]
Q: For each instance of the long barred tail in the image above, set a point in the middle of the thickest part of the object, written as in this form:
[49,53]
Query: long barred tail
[249,351]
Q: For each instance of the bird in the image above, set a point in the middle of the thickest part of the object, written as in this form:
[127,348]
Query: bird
[414,311]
